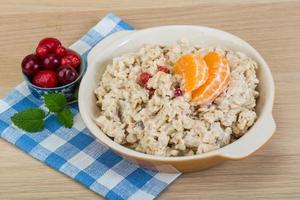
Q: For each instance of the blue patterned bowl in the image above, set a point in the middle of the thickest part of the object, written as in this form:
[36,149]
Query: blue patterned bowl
[68,90]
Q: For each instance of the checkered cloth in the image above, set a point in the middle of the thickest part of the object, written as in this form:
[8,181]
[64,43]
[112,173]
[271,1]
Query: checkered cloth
[75,152]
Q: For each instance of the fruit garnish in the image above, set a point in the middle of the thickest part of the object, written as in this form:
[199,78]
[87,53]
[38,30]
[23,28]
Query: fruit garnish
[60,51]
[66,74]
[150,90]
[51,61]
[71,58]
[193,69]
[47,69]
[144,78]
[163,69]
[218,79]
[42,51]
[178,92]
[50,43]
[45,79]
[31,64]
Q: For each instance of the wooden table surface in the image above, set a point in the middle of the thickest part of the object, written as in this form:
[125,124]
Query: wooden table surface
[272,27]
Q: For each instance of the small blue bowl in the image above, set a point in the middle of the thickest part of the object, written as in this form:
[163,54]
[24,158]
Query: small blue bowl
[67,90]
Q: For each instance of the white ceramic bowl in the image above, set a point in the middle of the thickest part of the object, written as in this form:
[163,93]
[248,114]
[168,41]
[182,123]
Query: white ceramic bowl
[130,41]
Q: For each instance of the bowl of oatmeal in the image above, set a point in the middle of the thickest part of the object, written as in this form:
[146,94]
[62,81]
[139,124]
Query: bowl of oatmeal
[178,98]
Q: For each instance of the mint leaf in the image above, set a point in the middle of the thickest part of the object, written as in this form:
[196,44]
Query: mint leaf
[65,117]
[30,120]
[55,102]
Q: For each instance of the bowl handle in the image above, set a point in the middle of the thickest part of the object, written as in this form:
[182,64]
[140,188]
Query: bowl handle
[251,142]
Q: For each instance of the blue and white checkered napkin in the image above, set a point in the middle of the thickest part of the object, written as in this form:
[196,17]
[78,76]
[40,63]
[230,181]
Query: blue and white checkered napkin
[75,152]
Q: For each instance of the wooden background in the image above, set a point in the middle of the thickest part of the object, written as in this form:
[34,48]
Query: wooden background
[272,27]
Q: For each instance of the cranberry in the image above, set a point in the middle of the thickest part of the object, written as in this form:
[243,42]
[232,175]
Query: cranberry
[51,43]
[66,74]
[178,92]
[163,69]
[45,79]
[60,51]
[31,64]
[71,58]
[144,78]
[51,61]
[150,90]
[42,51]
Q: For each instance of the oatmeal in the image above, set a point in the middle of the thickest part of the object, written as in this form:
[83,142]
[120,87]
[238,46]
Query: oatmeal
[144,105]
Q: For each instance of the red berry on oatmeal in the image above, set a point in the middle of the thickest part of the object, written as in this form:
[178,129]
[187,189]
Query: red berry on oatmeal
[144,78]
[163,69]
[178,92]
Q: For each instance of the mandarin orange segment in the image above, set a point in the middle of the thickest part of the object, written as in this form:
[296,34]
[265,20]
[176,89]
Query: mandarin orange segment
[193,70]
[218,79]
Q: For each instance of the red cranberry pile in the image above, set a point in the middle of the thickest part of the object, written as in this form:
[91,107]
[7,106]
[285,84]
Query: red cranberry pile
[52,65]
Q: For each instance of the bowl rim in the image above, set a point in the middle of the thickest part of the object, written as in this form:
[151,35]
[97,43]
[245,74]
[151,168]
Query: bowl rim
[83,70]
[265,113]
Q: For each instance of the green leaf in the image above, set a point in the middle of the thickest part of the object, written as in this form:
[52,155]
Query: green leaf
[65,117]
[30,120]
[55,102]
